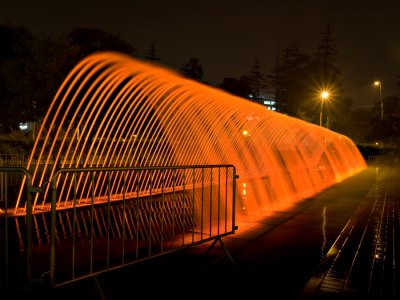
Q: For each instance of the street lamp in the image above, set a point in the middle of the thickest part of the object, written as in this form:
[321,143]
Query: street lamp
[378,83]
[324,95]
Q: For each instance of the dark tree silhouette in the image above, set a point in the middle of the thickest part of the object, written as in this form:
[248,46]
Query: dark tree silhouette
[257,80]
[326,54]
[193,69]
[17,77]
[151,53]
[328,77]
[386,131]
[239,87]
[90,40]
[289,78]
[32,68]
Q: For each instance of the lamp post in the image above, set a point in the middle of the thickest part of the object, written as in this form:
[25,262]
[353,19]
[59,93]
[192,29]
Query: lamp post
[324,95]
[378,83]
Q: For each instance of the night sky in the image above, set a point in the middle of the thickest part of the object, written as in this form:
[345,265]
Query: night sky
[228,35]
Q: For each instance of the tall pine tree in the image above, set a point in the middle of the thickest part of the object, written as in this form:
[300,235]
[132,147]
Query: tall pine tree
[151,53]
[257,81]
[328,77]
[288,79]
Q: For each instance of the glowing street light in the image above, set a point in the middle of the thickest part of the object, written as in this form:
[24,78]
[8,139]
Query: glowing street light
[324,96]
[378,83]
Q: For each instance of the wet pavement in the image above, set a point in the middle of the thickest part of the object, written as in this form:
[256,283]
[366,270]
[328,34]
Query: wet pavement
[362,261]
[341,244]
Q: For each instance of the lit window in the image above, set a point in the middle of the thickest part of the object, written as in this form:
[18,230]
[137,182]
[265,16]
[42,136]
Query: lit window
[23,126]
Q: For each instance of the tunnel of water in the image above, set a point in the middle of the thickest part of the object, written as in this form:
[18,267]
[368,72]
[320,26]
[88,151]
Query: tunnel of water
[114,110]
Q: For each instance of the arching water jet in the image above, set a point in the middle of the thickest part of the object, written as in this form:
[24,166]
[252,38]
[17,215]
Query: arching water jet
[114,110]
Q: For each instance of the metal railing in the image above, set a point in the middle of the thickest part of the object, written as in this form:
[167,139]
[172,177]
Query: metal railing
[177,208]
[16,270]
[384,160]
[13,160]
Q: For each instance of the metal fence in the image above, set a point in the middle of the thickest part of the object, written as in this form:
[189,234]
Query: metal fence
[13,160]
[96,227]
[15,245]
[384,160]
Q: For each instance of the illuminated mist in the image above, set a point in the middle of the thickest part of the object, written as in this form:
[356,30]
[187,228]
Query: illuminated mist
[117,111]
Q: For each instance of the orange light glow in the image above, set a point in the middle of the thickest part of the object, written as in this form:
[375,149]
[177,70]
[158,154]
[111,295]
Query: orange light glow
[115,110]
[325,95]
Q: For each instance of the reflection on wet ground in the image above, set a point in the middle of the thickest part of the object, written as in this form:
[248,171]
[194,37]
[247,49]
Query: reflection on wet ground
[338,244]
[91,239]
[363,261]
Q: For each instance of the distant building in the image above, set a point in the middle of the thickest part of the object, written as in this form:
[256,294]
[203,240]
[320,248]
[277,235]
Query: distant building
[267,100]
[26,126]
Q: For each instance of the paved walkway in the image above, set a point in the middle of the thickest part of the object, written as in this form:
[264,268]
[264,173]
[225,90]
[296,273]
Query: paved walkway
[362,261]
[341,243]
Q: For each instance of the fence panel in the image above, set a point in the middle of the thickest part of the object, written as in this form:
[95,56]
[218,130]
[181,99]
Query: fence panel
[93,220]
[15,233]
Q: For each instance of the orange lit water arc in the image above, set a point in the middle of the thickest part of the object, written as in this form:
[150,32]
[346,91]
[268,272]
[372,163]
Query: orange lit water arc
[114,110]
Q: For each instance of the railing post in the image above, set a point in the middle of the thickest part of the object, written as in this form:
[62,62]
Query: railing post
[52,229]
[235,176]
[199,202]
[29,230]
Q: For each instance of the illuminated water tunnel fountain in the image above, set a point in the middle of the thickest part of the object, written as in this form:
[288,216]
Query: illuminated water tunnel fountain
[114,110]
